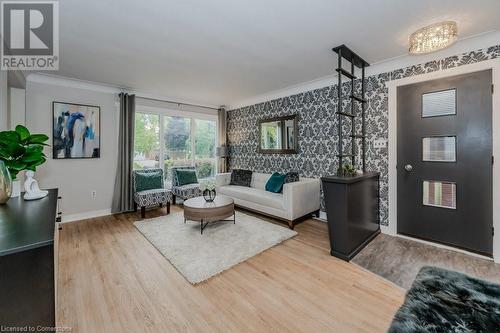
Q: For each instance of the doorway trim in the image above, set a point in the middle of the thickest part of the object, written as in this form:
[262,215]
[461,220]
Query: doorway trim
[494,65]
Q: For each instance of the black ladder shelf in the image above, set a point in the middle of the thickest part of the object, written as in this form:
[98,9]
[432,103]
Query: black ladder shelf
[356,61]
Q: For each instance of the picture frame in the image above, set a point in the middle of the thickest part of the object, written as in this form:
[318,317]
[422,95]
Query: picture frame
[76,132]
[278,135]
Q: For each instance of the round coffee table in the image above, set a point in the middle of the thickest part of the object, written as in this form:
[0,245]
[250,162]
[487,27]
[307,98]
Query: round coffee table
[197,209]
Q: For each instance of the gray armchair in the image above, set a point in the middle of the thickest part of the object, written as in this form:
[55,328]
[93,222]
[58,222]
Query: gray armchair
[149,192]
[185,191]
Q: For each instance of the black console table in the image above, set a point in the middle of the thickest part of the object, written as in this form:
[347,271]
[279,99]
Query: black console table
[28,262]
[352,208]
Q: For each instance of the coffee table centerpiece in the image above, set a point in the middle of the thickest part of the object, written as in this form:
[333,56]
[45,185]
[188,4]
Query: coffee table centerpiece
[208,189]
[199,210]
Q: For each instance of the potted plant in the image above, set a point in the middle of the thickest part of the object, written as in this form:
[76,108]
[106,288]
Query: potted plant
[348,170]
[208,189]
[20,150]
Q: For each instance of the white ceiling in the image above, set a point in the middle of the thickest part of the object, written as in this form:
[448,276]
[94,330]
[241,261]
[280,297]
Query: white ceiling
[222,51]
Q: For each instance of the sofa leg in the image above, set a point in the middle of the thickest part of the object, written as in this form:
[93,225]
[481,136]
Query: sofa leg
[168,208]
[143,212]
[291,224]
[316,213]
[173,199]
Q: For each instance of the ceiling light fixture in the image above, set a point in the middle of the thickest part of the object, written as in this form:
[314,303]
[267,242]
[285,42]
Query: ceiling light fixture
[433,37]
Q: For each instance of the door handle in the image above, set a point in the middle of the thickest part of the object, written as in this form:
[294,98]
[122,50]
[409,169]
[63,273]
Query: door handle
[408,167]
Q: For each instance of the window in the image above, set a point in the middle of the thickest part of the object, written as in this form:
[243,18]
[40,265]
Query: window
[147,141]
[204,147]
[439,149]
[176,143]
[439,103]
[439,194]
[165,139]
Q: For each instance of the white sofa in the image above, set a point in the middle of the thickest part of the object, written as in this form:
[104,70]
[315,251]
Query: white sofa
[298,201]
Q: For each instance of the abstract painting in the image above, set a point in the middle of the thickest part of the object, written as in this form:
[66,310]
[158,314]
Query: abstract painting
[76,130]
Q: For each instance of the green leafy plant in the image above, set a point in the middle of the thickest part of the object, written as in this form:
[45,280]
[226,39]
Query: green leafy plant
[21,150]
[208,184]
[349,170]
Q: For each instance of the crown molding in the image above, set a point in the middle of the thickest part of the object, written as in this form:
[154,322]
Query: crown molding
[102,87]
[71,83]
[472,43]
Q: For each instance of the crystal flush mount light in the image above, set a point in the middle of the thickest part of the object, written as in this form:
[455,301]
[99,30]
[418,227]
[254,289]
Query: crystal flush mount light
[433,37]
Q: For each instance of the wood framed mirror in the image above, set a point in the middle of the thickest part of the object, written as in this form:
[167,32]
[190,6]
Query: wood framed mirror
[278,135]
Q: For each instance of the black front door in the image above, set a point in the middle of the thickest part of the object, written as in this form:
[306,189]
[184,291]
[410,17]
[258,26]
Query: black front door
[444,167]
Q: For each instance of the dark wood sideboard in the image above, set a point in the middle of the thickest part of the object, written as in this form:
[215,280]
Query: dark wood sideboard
[28,262]
[352,208]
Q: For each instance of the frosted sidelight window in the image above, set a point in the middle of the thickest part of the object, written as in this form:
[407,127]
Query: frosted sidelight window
[439,103]
[439,149]
[440,194]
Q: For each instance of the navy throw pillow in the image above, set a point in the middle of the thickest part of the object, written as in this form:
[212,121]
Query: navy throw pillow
[241,177]
[291,177]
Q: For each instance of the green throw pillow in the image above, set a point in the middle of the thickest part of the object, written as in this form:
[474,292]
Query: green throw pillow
[185,177]
[275,183]
[148,180]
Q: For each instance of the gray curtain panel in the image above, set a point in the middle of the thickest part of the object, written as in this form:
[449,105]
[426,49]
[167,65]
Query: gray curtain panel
[222,137]
[123,197]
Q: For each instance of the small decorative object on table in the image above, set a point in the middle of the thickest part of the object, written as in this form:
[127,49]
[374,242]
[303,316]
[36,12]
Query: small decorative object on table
[20,150]
[5,183]
[208,188]
[33,192]
[348,170]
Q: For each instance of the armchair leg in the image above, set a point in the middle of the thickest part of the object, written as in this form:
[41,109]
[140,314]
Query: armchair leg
[143,212]
[161,204]
[135,207]
[173,199]
[168,208]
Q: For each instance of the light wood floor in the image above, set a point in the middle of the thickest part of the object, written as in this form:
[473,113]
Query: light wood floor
[111,279]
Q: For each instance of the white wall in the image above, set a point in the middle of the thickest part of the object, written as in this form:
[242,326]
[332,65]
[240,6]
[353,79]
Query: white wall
[17,107]
[76,179]
[3,100]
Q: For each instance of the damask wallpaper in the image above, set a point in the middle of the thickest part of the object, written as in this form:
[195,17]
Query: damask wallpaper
[318,125]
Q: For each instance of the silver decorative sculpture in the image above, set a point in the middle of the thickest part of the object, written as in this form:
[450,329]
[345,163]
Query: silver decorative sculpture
[31,188]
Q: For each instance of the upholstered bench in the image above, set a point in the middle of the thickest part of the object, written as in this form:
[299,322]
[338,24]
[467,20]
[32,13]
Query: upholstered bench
[148,185]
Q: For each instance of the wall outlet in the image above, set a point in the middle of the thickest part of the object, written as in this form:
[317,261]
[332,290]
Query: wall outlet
[94,194]
[380,143]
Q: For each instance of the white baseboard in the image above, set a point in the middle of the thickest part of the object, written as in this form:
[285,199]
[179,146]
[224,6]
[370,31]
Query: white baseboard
[85,215]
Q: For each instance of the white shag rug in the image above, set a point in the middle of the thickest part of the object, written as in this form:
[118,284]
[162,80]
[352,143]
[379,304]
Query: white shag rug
[223,244]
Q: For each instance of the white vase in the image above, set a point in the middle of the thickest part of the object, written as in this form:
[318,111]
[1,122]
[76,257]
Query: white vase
[16,188]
